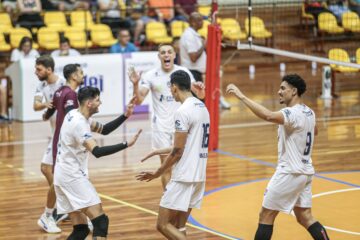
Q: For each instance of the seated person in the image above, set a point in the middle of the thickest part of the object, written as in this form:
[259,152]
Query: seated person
[25,50]
[123,45]
[183,9]
[112,15]
[9,6]
[314,8]
[65,49]
[161,10]
[338,7]
[29,11]
[70,5]
[354,5]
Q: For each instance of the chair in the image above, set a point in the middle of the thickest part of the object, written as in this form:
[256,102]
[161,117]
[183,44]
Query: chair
[17,34]
[4,46]
[231,29]
[81,19]
[48,38]
[204,30]
[55,20]
[328,24]
[101,36]
[5,23]
[156,33]
[305,17]
[178,27]
[77,37]
[204,10]
[351,22]
[258,29]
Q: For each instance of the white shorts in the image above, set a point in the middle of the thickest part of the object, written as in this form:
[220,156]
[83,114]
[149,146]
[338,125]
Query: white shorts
[285,191]
[47,158]
[162,139]
[76,195]
[181,196]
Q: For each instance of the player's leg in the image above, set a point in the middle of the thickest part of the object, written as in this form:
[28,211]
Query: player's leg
[99,220]
[164,226]
[266,224]
[182,219]
[80,226]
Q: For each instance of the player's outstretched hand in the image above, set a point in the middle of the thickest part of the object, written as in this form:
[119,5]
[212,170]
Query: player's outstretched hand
[49,104]
[134,76]
[199,85]
[146,176]
[232,89]
[130,107]
[156,152]
[134,139]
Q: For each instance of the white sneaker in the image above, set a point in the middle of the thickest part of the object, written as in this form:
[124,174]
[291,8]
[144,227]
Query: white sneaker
[90,225]
[48,224]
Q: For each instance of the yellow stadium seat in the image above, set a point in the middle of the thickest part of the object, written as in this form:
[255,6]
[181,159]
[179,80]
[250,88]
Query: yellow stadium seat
[5,23]
[77,37]
[231,29]
[351,22]
[204,30]
[327,23]
[55,20]
[156,33]
[204,10]
[258,29]
[4,46]
[81,19]
[358,56]
[339,54]
[178,27]
[48,38]
[101,35]
[17,34]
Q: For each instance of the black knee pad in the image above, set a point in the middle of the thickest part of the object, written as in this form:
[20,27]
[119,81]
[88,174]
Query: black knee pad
[101,225]
[79,232]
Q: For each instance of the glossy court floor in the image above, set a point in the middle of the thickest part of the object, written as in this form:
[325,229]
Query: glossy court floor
[237,172]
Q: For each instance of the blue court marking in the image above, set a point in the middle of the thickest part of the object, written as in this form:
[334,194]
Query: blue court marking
[264,163]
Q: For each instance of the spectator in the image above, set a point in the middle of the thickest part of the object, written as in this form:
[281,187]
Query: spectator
[314,8]
[123,45]
[161,10]
[112,14]
[65,49]
[183,9]
[338,7]
[49,5]
[9,6]
[354,5]
[30,14]
[3,101]
[25,50]
[70,5]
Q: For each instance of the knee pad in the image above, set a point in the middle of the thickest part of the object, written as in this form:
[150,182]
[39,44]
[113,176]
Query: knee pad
[80,232]
[101,225]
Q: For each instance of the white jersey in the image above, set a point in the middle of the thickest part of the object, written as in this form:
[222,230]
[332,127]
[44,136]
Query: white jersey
[72,156]
[45,90]
[192,117]
[164,105]
[296,139]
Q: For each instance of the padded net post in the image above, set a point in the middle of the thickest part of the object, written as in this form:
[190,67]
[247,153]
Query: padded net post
[213,82]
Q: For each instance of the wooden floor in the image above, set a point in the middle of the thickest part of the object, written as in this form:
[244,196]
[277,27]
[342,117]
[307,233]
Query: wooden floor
[237,173]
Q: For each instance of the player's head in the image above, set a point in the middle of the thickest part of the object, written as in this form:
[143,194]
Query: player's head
[44,67]
[180,83]
[196,20]
[89,97]
[292,85]
[167,56]
[74,72]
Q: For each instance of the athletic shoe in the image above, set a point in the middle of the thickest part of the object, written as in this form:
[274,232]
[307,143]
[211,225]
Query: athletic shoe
[48,224]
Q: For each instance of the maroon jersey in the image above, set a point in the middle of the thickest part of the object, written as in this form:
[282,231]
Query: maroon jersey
[64,100]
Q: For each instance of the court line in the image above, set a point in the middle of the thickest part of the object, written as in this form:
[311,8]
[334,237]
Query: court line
[155,214]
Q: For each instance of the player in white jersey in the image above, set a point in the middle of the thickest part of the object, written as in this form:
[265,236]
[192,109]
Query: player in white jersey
[290,186]
[74,192]
[187,159]
[158,82]
[50,82]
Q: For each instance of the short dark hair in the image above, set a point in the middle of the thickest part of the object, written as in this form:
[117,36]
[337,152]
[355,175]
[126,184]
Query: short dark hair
[47,61]
[181,79]
[70,69]
[297,82]
[25,40]
[64,40]
[87,93]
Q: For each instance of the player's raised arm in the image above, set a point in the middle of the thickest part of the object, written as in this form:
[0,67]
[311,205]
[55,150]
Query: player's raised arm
[138,91]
